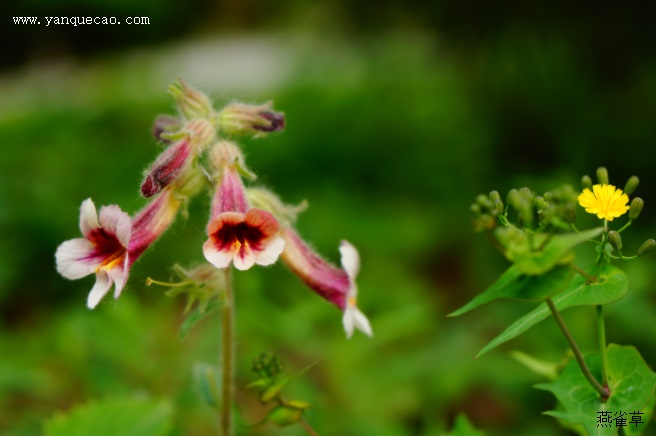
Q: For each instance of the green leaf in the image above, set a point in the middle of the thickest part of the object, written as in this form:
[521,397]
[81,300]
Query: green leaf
[548,370]
[513,284]
[196,315]
[631,382]
[611,285]
[558,247]
[114,416]
[462,427]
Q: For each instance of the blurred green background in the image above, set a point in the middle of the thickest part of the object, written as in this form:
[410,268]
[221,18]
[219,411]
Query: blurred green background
[397,117]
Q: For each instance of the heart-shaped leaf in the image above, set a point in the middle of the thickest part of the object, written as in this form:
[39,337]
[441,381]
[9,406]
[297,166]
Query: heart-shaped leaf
[611,285]
[632,385]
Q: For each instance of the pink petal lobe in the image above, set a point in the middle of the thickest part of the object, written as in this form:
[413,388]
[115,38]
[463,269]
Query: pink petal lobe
[116,222]
[263,221]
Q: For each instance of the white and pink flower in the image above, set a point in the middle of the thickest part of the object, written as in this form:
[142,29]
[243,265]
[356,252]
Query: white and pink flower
[336,285]
[237,233]
[112,242]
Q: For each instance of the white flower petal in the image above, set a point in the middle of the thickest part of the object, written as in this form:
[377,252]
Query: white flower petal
[361,322]
[119,275]
[242,263]
[220,259]
[116,222]
[348,321]
[88,217]
[103,283]
[350,259]
[71,258]
[271,252]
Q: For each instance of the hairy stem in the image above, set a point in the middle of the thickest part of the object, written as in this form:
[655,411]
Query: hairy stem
[227,357]
[604,393]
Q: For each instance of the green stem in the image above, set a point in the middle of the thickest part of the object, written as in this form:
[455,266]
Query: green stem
[590,278]
[603,391]
[601,332]
[227,357]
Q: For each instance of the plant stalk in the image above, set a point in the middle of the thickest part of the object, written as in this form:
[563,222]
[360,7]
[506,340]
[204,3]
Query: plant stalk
[601,332]
[227,357]
[603,391]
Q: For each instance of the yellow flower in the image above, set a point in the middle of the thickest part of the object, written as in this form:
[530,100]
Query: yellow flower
[606,201]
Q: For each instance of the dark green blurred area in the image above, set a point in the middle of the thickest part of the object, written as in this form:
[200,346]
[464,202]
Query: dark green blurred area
[397,117]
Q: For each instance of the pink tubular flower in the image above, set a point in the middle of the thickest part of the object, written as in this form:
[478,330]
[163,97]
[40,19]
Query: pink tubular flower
[336,285]
[239,234]
[112,242]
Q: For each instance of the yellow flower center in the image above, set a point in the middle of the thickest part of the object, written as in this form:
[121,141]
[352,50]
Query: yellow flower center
[605,201]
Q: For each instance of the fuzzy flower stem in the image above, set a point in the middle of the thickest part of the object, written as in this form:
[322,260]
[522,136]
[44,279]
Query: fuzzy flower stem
[227,357]
[604,392]
[601,332]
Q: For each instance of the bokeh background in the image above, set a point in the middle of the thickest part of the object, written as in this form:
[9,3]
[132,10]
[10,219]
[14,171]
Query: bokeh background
[398,115]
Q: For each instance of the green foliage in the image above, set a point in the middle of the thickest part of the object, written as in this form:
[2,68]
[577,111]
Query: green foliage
[462,427]
[611,285]
[115,416]
[631,382]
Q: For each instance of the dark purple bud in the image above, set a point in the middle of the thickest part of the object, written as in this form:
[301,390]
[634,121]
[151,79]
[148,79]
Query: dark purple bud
[276,120]
[166,168]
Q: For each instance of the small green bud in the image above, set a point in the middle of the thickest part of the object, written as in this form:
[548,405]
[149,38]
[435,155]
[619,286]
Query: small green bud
[631,185]
[498,205]
[475,208]
[191,102]
[541,203]
[586,182]
[615,240]
[602,175]
[484,201]
[494,196]
[512,198]
[283,416]
[549,196]
[646,247]
[636,208]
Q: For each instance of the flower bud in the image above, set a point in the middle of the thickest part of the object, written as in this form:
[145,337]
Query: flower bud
[646,247]
[484,201]
[615,240]
[513,198]
[631,185]
[636,208]
[541,203]
[602,175]
[191,102]
[497,204]
[165,124]
[283,416]
[241,119]
[586,182]
[475,208]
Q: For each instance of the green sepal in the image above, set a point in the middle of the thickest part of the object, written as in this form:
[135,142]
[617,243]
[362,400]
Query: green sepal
[513,284]
[259,384]
[611,285]
[632,385]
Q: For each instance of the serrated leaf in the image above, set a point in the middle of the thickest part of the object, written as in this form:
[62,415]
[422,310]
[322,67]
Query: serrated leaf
[124,416]
[462,427]
[208,382]
[513,284]
[611,285]
[197,315]
[631,382]
[558,248]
